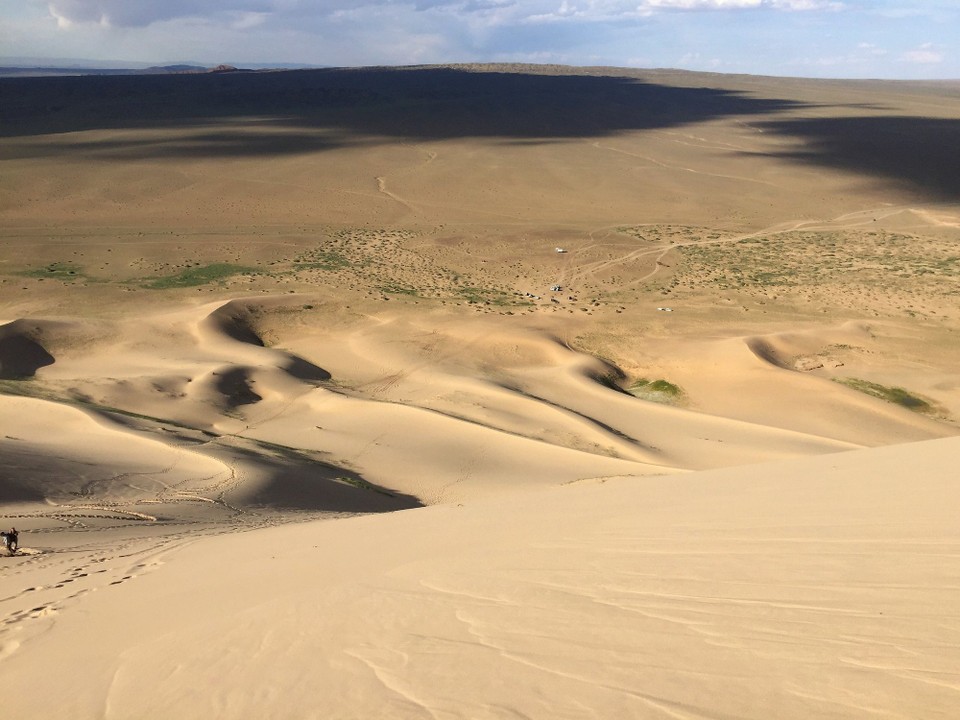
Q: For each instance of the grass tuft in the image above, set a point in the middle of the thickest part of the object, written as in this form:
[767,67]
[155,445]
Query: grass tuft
[896,395]
[660,391]
[330,260]
[202,275]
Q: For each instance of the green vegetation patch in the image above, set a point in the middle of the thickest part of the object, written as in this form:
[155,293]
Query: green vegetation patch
[397,289]
[667,234]
[200,275]
[489,296]
[895,395]
[660,391]
[852,266]
[330,260]
[56,271]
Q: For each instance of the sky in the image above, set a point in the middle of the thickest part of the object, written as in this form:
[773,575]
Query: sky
[900,39]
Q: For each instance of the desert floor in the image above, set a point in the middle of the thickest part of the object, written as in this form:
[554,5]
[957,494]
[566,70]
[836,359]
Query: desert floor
[660,369]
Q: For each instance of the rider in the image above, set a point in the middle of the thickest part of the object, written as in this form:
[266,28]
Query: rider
[11,540]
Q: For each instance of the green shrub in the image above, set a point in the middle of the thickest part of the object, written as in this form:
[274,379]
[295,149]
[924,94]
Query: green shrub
[896,395]
[661,391]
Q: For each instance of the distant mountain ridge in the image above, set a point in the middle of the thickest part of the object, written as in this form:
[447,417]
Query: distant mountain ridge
[40,67]
[179,69]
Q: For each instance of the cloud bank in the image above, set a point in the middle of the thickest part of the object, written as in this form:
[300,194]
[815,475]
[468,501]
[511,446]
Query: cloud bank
[140,13]
[825,38]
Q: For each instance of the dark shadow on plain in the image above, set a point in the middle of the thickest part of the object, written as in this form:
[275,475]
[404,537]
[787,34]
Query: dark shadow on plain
[915,154]
[263,114]
[199,143]
[305,111]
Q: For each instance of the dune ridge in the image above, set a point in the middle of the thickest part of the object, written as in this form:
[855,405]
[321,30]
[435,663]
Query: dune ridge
[418,413]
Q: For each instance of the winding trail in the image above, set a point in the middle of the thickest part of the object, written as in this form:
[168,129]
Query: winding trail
[382,179]
[681,168]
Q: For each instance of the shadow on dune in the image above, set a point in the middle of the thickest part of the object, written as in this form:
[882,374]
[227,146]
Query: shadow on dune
[15,489]
[299,489]
[20,354]
[235,320]
[305,370]
[235,387]
[272,477]
[288,480]
[919,154]
[766,352]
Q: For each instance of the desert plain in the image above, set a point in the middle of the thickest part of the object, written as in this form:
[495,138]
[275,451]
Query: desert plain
[479,392]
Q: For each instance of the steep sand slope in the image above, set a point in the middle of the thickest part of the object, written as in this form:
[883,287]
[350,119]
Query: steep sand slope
[821,587]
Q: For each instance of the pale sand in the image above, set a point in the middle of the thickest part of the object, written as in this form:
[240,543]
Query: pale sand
[767,541]
[822,587]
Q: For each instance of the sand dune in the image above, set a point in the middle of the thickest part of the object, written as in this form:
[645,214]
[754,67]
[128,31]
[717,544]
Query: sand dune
[816,587]
[671,357]
[451,413]
[55,452]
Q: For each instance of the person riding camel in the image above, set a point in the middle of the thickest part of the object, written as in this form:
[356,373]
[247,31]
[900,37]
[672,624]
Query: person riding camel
[11,540]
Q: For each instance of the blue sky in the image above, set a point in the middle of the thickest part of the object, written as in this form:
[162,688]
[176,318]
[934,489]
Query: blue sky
[815,38]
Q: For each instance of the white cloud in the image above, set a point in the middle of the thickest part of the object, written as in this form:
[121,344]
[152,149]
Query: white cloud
[924,55]
[695,61]
[703,4]
[808,4]
[140,13]
[129,13]
[247,20]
